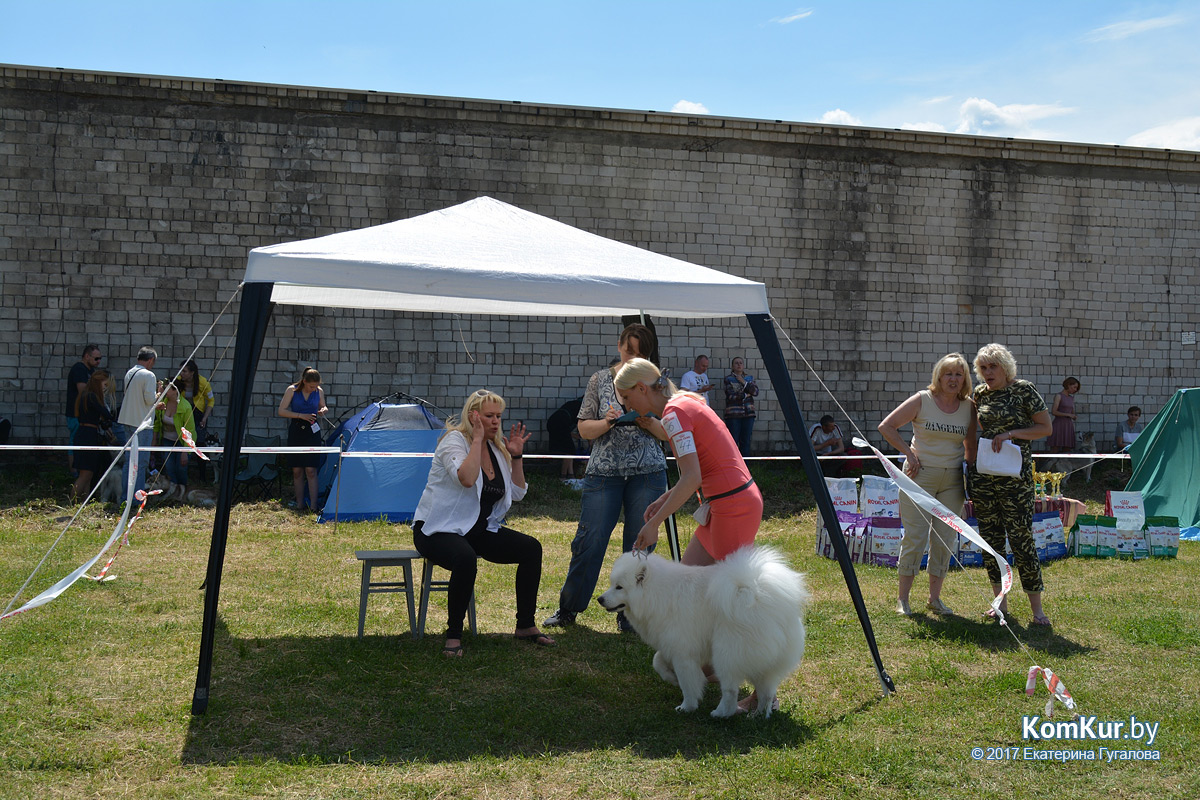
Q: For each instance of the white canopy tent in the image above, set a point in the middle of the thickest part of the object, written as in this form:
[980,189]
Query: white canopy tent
[488,257]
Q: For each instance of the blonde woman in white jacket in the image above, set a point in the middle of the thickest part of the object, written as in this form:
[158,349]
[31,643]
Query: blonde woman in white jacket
[476,476]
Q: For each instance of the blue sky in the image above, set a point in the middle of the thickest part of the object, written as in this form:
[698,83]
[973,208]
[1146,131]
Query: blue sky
[1108,72]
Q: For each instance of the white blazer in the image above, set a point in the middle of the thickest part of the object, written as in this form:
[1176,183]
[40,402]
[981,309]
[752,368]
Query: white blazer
[446,505]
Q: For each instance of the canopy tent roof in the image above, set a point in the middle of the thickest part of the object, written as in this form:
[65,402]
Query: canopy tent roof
[487,257]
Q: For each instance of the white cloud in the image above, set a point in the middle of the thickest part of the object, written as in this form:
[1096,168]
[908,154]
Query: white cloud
[1182,134]
[935,127]
[1123,30]
[983,117]
[688,107]
[798,14]
[840,117]
[933,101]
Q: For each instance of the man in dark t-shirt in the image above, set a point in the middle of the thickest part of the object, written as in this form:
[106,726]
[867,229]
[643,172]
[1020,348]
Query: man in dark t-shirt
[77,378]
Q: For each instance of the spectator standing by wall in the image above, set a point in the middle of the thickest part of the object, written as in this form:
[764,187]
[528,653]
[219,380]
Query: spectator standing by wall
[175,417]
[1062,418]
[77,380]
[740,391]
[696,379]
[137,403]
[93,417]
[199,393]
[303,402]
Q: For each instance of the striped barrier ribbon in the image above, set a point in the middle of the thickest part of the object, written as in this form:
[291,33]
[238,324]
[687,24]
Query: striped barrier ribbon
[1055,686]
[191,443]
[141,497]
[931,506]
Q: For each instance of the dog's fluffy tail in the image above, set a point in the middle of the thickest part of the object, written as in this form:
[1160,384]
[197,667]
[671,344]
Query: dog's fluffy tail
[754,580]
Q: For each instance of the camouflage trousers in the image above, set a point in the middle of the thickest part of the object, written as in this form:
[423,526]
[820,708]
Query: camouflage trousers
[1004,509]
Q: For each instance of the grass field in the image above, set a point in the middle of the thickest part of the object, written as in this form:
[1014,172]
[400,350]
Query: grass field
[95,688]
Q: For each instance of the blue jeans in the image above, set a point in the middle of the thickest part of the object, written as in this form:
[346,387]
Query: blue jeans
[604,497]
[741,428]
[72,429]
[173,465]
[144,439]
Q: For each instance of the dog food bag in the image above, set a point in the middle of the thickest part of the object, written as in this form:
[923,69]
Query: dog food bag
[1126,504]
[853,527]
[861,545]
[1162,536]
[1136,542]
[1106,537]
[886,533]
[969,554]
[1128,539]
[844,492]
[880,497]
[1048,536]
[1039,535]
[1056,539]
[1083,536]
[822,548]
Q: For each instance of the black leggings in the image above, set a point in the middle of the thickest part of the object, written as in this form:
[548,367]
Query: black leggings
[459,555]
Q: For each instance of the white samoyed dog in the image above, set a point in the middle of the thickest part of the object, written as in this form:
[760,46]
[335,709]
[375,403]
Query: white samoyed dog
[743,616]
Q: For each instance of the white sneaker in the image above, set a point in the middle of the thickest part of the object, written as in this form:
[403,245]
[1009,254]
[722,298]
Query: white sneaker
[560,619]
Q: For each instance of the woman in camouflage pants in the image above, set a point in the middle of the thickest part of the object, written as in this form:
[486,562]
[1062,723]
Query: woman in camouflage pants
[1008,409]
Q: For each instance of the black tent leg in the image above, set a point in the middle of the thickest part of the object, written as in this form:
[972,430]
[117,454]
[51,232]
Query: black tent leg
[768,346]
[252,329]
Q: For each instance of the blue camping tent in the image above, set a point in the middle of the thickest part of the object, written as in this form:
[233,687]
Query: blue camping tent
[387,487]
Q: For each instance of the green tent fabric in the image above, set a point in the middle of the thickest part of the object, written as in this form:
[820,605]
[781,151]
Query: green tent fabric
[1166,460]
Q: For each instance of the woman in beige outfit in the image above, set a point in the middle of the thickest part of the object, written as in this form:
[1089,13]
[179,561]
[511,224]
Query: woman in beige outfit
[943,425]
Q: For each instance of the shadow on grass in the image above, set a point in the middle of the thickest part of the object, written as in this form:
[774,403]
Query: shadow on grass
[390,699]
[989,634]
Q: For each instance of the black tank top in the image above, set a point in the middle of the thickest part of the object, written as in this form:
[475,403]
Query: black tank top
[493,488]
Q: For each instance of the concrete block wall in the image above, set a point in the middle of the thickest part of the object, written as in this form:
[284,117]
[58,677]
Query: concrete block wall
[128,205]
